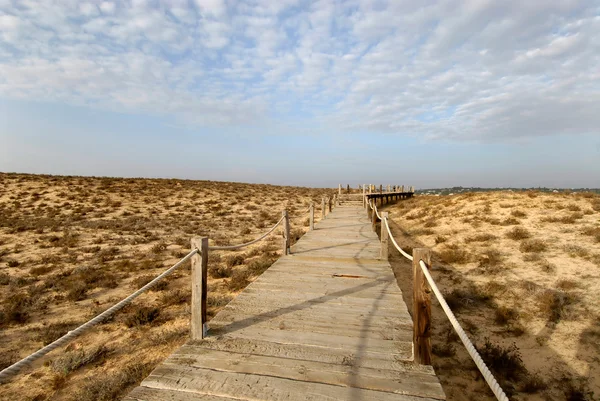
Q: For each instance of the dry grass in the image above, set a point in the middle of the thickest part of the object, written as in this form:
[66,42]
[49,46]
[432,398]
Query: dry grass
[526,293]
[71,247]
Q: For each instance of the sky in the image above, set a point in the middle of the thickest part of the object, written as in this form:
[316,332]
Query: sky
[314,93]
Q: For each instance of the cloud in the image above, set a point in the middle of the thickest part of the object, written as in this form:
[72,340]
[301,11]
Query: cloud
[481,70]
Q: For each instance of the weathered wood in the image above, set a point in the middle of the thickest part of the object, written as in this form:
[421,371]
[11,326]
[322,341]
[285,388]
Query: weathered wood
[380,188]
[340,189]
[327,322]
[286,232]
[384,237]
[374,220]
[422,308]
[312,216]
[364,199]
[329,204]
[199,288]
[323,208]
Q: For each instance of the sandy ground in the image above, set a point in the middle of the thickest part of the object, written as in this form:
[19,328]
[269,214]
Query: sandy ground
[70,247]
[522,273]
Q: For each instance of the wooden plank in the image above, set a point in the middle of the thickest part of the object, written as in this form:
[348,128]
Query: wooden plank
[409,382]
[325,322]
[144,393]
[306,352]
[256,387]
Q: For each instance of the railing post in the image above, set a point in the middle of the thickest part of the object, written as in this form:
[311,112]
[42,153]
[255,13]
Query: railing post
[329,204]
[384,237]
[199,288]
[421,308]
[323,208]
[312,216]
[374,217]
[402,189]
[286,232]
[364,188]
[380,188]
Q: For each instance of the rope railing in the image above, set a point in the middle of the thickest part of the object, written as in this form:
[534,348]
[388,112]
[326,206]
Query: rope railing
[232,247]
[15,368]
[387,226]
[485,371]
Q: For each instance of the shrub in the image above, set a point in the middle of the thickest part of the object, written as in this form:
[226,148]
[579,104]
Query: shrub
[461,298]
[552,304]
[533,383]
[239,280]
[158,248]
[235,260]
[110,386]
[53,331]
[77,291]
[141,315]
[443,350]
[518,233]
[490,258]
[261,264]
[440,239]
[71,361]
[576,250]
[533,245]
[505,362]
[481,238]
[12,263]
[504,315]
[175,297]
[217,300]
[518,213]
[219,271]
[454,254]
[16,309]
[141,281]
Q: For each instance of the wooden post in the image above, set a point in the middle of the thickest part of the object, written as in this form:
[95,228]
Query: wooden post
[374,220]
[340,189]
[421,308]
[323,208]
[364,195]
[329,204]
[402,188]
[348,188]
[199,288]
[312,216]
[384,238]
[286,232]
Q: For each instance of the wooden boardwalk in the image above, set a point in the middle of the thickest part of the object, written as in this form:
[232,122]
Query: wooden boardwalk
[325,323]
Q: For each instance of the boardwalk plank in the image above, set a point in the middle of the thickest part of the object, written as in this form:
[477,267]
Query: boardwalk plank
[326,322]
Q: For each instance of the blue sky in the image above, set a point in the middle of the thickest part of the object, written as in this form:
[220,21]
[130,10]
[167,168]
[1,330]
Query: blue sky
[424,93]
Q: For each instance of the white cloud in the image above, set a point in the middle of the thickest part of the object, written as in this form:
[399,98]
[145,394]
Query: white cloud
[481,70]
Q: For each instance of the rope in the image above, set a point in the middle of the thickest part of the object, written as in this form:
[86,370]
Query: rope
[376,212]
[16,367]
[231,247]
[406,255]
[487,375]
